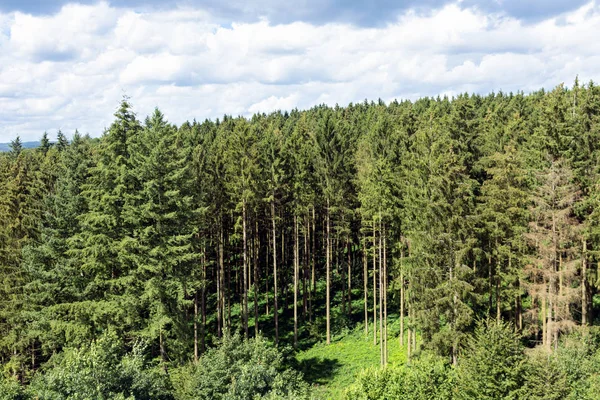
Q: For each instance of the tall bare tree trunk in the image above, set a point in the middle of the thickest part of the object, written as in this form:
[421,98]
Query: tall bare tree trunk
[401,297]
[221,283]
[365,285]
[385,287]
[584,301]
[228,293]
[544,300]
[519,308]
[409,332]
[161,344]
[275,308]
[328,277]
[305,269]
[196,327]
[296,268]
[245,267]
[203,302]
[283,263]
[267,272]
[313,285]
[255,262]
[349,256]
[498,300]
[374,286]
[381,289]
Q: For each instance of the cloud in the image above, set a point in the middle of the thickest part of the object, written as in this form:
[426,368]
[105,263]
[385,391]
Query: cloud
[68,69]
[373,13]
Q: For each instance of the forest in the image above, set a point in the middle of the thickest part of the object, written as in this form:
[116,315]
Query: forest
[197,261]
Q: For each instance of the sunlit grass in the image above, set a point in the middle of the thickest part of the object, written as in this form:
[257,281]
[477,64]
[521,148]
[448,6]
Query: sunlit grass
[332,368]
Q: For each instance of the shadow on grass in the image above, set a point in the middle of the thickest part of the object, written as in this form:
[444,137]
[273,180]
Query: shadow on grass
[318,370]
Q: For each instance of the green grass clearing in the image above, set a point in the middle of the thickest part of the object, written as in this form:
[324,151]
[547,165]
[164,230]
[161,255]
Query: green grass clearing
[332,368]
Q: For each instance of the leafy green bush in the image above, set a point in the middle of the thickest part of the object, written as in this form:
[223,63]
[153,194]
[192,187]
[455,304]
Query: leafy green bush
[426,378]
[100,371]
[239,369]
[10,389]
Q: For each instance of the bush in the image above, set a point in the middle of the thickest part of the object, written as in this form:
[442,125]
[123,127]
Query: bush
[239,369]
[100,371]
[10,389]
[427,378]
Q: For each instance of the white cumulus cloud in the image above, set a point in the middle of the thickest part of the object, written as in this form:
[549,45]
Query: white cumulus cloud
[69,70]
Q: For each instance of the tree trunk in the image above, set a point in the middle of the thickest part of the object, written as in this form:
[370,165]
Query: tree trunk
[313,262]
[498,313]
[255,262]
[221,284]
[203,302]
[296,268]
[228,293]
[365,285]
[374,287]
[381,289]
[453,319]
[267,272]
[283,263]
[328,278]
[275,309]
[519,308]
[544,319]
[305,270]
[490,281]
[161,344]
[196,327]
[401,297]
[245,267]
[33,355]
[584,301]
[409,333]
[385,287]
[349,249]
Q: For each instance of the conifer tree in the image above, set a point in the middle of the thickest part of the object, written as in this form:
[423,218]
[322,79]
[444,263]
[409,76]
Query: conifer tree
[99,247]
[554,236]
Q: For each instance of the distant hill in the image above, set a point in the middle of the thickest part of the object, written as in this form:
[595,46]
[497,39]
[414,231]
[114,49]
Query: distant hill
[26,145]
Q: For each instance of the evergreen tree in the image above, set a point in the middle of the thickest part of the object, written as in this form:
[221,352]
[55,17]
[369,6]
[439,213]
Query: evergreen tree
[100,246]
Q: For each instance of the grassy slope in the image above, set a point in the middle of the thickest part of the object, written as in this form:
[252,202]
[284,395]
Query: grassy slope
[329,368]
[332,368]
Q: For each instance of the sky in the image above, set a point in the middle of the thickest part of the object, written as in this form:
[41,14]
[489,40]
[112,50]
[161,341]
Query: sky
[66,65]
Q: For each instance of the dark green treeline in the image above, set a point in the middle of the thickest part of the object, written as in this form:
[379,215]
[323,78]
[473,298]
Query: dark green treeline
[442,210]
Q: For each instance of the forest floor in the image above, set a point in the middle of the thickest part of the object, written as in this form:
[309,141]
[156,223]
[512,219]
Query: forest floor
[332,368]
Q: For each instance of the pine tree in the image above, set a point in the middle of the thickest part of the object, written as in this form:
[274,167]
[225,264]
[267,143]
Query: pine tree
[45,143]
[502,215]
[439,199]
[554,235]
[160,247]
[273,165]
[100,247]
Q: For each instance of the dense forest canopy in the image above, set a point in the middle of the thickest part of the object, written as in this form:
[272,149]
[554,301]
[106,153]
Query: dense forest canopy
[298,224]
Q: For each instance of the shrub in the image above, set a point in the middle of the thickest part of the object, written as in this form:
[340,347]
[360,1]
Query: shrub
[239,369]
[100,371]
[426,378]
[10,389]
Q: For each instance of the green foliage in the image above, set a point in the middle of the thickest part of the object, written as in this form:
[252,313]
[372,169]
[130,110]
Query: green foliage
[10,389]
[239,369]
[483,206]
[427,377]
[493,363]
[100,371]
